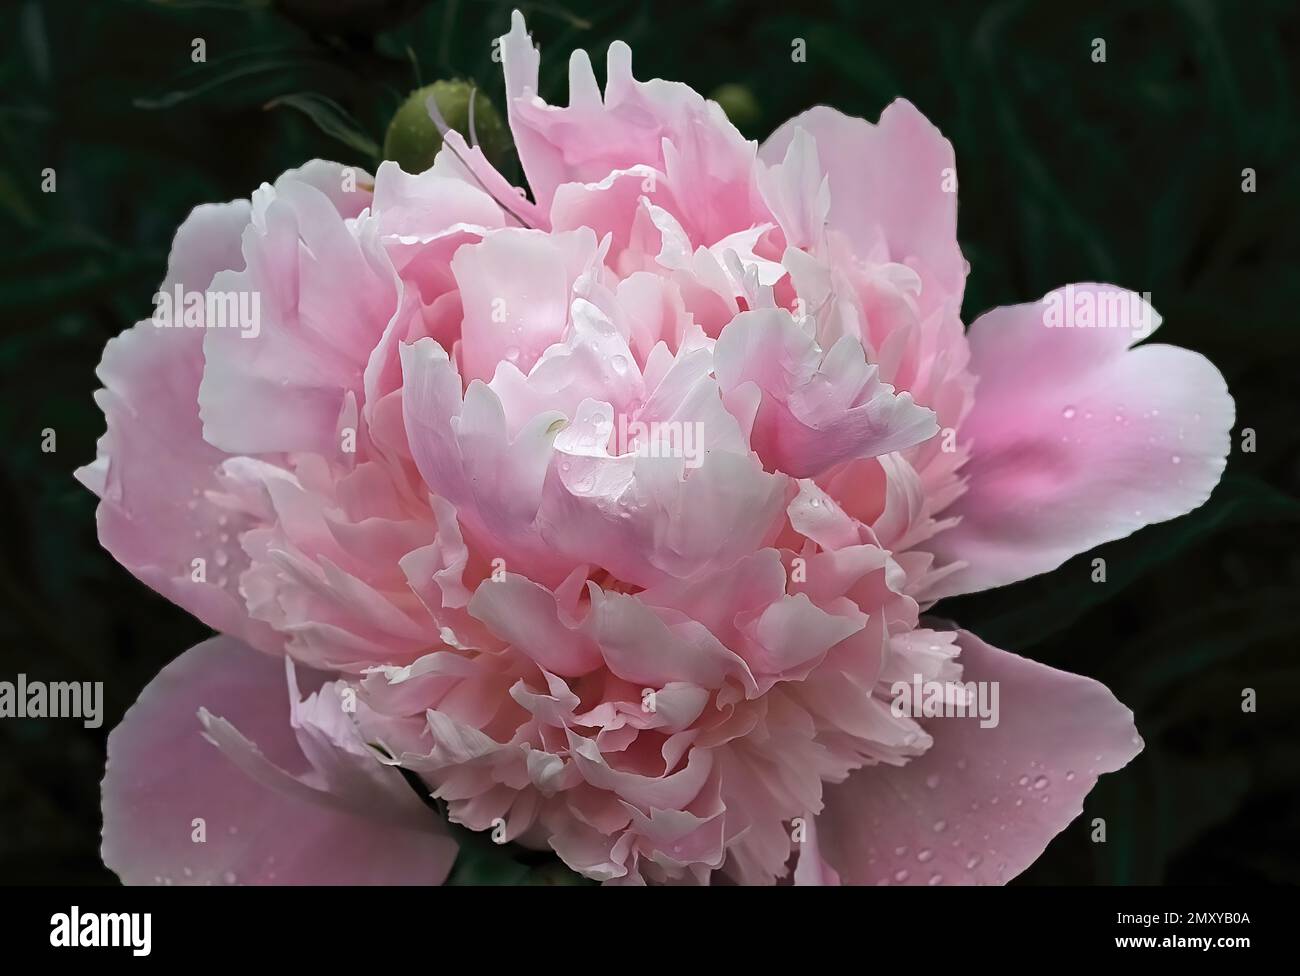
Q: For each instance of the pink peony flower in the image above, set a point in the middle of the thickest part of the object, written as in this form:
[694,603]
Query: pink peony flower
[609,516]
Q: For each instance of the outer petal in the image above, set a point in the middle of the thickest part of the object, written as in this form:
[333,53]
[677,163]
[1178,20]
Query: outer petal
[163,773]
[154,471]
[982,803]
[1076,439]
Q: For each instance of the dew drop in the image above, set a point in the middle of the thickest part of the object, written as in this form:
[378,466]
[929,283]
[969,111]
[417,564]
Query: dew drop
[935,879]
[924,855]
[1068,413]
[900,876]
[1176,459]
[932,781]
[973,862]
[1040,783]
[940,826]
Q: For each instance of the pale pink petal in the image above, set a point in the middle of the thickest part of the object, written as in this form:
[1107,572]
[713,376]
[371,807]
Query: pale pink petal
[163,774]
[155,475]
[516,288]
[325,294]
[892,184]
[818,409]
[982,803]
[665,125]
[1076,439]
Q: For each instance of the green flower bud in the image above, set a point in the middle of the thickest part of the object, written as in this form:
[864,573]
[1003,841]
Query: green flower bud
[413,139]
[739,103]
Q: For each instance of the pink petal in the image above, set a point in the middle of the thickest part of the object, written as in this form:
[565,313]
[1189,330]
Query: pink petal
[163,773]
[516,287]
[325,296]
[708,164]
[1076,439]
[154,471]
[982,803]
[818,408]
[887,185]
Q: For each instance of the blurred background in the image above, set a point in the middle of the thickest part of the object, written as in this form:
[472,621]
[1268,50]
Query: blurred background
[1127,171]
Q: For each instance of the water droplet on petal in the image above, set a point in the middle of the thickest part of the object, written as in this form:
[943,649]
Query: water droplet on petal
[1068,413]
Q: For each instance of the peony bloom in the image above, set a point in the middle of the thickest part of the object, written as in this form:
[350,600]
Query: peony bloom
[607,516]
